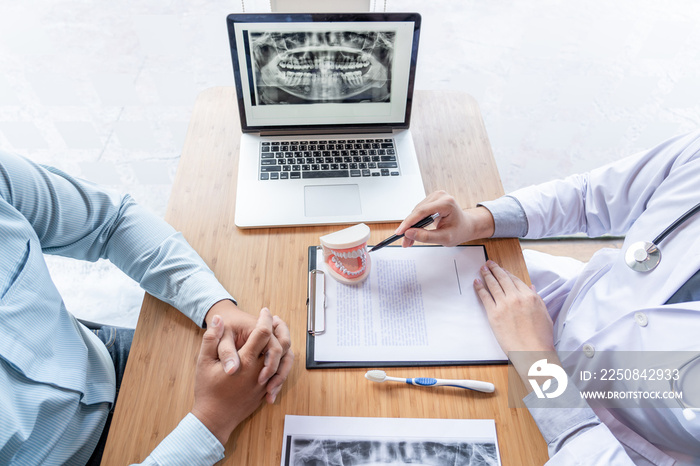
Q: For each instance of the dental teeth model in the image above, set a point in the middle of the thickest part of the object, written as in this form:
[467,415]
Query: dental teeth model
[345,254]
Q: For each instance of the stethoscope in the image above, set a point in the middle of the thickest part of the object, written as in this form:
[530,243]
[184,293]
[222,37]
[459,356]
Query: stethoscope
[644,256]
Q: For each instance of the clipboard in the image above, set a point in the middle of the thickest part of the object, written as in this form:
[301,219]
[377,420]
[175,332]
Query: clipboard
[316,321]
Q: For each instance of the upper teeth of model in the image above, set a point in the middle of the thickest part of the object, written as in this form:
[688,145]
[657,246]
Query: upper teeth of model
[354,254]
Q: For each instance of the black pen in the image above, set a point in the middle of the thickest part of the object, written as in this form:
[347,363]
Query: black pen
[420,224]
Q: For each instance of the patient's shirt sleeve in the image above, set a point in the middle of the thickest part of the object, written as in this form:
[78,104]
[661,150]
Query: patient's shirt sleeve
[190,443]
[75,218]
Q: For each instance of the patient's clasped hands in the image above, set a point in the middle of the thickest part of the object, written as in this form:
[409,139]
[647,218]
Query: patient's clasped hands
[238,327]
[242,361]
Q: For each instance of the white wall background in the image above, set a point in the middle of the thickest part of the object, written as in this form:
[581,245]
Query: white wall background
[104,90]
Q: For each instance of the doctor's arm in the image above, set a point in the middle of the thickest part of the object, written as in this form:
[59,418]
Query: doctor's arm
[606,200]
[523,328]
[520,322]
[609,199]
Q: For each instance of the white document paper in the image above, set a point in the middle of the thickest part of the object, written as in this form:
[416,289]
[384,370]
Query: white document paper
[418,304]
[337,441]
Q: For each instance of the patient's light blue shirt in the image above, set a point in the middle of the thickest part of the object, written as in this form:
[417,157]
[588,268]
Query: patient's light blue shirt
[57,381]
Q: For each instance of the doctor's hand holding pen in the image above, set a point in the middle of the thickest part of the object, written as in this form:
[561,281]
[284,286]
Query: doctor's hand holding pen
[453,226]
[516,313]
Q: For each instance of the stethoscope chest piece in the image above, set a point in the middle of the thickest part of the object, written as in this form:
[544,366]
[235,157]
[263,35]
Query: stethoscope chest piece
[642,256]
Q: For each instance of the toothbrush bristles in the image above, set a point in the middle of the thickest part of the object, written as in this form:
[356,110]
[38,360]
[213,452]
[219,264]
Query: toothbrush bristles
[376,376]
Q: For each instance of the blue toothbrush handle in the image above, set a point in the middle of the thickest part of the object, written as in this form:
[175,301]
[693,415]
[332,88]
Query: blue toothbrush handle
[423,381]
[468,384]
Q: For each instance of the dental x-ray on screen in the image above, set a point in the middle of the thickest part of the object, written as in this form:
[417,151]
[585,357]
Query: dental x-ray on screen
[322,66]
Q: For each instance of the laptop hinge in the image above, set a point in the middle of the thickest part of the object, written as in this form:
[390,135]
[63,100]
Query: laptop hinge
[345,130]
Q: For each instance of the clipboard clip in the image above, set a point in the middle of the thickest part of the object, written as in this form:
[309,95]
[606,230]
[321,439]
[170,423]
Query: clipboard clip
[311,303]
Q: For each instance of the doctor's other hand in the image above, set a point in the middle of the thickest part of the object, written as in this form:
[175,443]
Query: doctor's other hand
[237,328]
[222,401]
[454,225]
[518,316]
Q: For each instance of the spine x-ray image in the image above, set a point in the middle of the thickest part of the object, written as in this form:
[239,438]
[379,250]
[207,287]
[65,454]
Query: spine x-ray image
[345,452]
[322,67]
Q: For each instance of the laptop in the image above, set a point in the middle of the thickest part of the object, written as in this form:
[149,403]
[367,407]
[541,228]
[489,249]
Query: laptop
[325,105]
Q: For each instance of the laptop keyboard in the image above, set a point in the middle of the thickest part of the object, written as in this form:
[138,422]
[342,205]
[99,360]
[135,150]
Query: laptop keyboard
[337,158]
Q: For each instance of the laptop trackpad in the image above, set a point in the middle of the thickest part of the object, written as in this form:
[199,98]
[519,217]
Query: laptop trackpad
[332,200]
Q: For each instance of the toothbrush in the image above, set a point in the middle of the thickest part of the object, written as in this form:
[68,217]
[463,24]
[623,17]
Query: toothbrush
[380,376]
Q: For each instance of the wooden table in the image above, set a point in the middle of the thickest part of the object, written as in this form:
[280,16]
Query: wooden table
[267,267]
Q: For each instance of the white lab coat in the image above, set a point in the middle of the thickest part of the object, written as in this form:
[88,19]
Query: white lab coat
[605,306]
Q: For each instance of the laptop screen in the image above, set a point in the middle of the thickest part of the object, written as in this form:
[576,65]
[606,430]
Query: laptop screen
[334,71]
